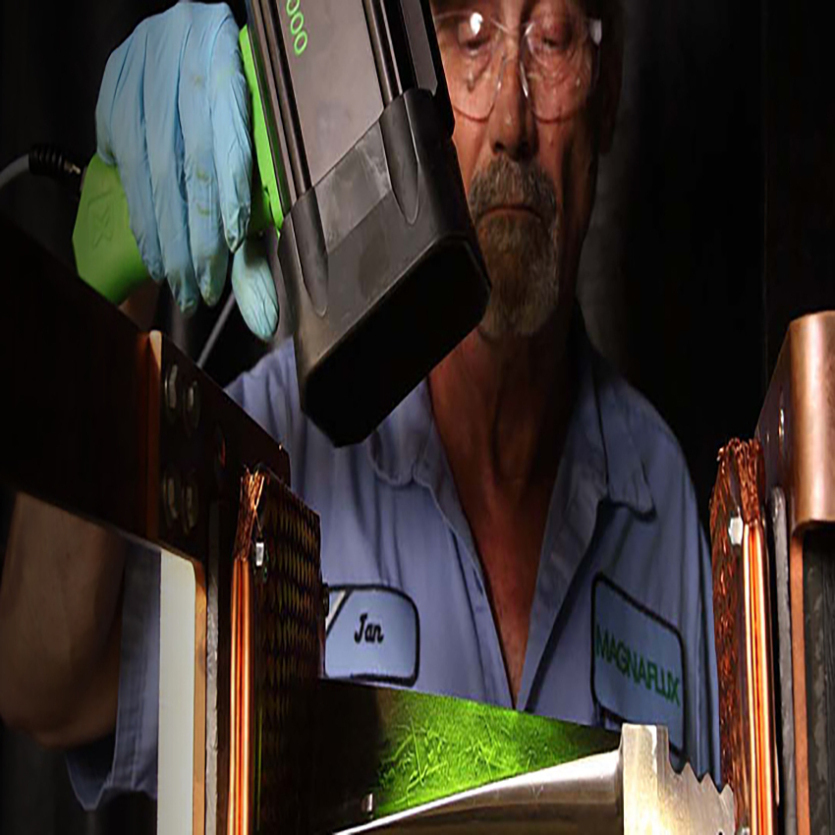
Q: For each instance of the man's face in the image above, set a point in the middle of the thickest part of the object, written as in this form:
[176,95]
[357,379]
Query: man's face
[530,181]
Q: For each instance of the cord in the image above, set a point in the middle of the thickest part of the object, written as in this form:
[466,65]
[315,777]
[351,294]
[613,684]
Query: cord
[44,161]
[13,170]
[218,327]
[49,161]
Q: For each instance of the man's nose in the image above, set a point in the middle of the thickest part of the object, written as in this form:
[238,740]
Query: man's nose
[512,124]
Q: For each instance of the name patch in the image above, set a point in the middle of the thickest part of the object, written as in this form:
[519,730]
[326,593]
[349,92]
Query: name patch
[637,662]
[372,634]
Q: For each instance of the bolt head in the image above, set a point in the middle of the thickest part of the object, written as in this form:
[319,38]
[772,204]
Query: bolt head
[736,528]
[219,458]
[193,405]
[171,390]
[191,500]
[171,496]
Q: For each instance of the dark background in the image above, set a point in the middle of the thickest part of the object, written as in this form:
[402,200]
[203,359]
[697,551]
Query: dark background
[714,227]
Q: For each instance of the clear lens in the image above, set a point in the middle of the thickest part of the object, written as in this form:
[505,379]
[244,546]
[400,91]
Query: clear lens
[557,56]
[467,41]
[552,39]
[560,61]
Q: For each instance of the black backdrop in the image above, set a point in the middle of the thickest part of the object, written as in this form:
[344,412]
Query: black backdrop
[713,227]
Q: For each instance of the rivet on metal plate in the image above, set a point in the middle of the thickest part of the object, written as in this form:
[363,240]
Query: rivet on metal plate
[171,496]
[191,499]
[171,390]
[736,528]
[192,405]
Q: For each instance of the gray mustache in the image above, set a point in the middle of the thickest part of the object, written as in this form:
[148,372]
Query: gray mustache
[505,182]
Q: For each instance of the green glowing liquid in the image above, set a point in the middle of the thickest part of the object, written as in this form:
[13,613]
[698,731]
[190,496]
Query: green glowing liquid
[430,747]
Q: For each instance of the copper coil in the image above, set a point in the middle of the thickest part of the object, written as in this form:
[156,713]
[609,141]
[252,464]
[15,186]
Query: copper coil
[234,701]
[246,701]
[741,589]
[277,625]
[763,783]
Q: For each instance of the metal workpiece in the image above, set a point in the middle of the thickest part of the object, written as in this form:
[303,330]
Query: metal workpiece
[656,799]
[582,794]
[632,789]
[382,751]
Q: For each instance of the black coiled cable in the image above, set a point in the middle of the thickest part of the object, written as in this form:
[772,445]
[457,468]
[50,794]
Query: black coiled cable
[50,161]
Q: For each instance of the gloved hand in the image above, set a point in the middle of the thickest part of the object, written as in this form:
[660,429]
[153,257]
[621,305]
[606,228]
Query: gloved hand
[174,115]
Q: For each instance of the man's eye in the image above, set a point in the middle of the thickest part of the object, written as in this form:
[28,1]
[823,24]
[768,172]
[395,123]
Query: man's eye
[474,34]
[555,35]
[475,44]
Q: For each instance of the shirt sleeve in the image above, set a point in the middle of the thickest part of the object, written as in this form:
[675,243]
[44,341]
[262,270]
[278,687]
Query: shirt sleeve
[126,760]
[269,393]
[696,607]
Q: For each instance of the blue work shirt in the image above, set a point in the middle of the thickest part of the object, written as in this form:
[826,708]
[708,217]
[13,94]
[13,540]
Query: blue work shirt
[621,626]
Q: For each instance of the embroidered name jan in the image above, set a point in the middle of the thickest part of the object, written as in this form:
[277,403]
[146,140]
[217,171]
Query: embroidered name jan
[372,634]
[368,631]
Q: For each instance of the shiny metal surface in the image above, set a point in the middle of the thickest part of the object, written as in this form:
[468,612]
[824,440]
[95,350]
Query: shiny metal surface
[658,800]
[633,789]
[797,422]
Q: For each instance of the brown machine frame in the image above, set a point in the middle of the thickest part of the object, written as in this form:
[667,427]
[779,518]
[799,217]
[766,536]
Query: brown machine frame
[797,432]
[121,428]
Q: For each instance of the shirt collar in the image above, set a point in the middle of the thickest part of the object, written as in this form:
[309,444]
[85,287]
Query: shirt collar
[598,438]
[399,442]
[624,473]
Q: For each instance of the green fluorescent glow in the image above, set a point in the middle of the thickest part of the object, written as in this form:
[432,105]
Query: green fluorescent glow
[436,746]
[297,30]
[267,206]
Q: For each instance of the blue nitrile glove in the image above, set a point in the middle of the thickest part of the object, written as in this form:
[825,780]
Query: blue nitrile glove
[174,115]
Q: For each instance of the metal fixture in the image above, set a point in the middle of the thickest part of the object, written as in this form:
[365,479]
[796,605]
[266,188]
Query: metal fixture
[191,501]
[192,405]
[172,395]
[171,496]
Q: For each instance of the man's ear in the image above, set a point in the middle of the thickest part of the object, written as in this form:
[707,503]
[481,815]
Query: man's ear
[611,76]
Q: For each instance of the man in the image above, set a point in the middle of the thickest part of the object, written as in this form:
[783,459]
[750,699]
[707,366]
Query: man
[534,509]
